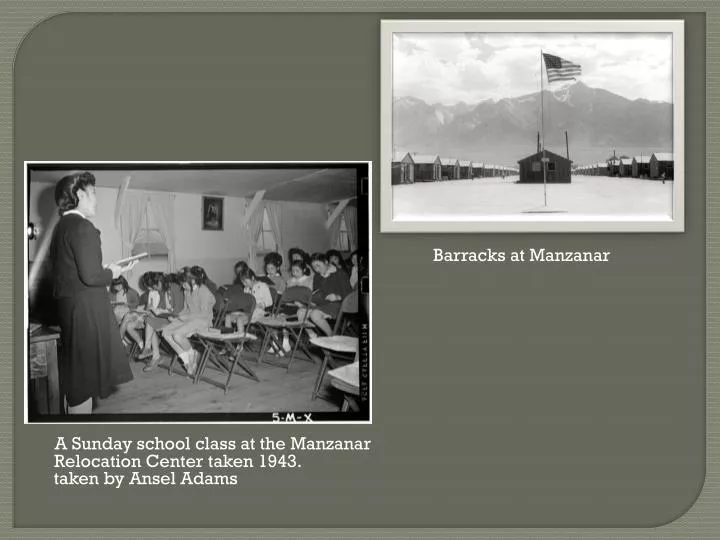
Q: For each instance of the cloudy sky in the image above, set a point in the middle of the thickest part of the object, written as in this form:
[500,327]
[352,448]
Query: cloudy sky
[449,68]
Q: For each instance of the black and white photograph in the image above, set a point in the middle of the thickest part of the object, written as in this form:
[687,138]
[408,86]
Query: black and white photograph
[532,126]
[212,214]
[139,312]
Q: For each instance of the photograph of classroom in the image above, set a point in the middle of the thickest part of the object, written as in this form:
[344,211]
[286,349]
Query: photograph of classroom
[213,289]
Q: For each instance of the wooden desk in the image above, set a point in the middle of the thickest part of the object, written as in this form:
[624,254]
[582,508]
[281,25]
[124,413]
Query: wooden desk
[43,378]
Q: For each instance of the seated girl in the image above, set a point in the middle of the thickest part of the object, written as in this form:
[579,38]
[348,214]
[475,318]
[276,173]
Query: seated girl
[174,292]
[330,288]
[297,254]
[196,315]
[123,298]
[239,268]
[273,262]
[300,275]
[232,295]
[354,269]
[171,302]
[134,320]
[263,301]
[215,289]
[334,258]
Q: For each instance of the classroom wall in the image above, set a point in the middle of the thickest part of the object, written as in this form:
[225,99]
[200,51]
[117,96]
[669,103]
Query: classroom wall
[312,235]
[216,251]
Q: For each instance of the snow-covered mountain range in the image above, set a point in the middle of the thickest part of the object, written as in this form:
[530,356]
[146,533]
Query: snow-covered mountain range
[503,131]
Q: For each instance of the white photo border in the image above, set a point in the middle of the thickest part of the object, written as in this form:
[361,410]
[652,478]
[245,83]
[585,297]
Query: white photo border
[364,190]
[533,223]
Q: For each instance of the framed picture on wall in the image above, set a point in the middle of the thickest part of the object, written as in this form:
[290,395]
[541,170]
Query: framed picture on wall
[212,213]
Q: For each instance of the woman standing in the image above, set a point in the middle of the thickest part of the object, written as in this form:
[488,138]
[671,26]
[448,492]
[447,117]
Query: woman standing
[93,357]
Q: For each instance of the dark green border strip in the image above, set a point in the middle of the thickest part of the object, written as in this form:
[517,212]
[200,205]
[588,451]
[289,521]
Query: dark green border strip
[17,18]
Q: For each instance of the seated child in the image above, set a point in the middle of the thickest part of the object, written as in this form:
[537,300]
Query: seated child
[263,301]
[239,268]
[297,254]
[233,296]
[330,288]
[273,263]
[134,320]
[334,258]
[170,303]
[300,275]
[355,269]
[196,315]
[123,298]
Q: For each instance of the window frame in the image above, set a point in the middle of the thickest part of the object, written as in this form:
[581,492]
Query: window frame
[343,230]
[343,247]
[152,257]
[262,250]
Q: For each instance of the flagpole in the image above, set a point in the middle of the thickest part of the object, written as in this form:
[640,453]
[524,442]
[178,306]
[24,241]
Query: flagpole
[542,128]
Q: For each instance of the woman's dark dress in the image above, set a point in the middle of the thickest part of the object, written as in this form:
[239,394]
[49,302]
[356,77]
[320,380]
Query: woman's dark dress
[337,283]
[93,357]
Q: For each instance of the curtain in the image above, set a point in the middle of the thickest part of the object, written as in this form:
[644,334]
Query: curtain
[350,215]
[254,226]
[274,211]
[131,220]
[163,206]
[334,229]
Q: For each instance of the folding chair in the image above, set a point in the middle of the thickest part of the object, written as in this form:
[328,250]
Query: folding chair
[274,324]
[134,349]
[275,297]
[335,349]
[239,300]
[270,310]
[349,306]
[225,350]
[338,348]
[347,380]
[164,348]
[236,299]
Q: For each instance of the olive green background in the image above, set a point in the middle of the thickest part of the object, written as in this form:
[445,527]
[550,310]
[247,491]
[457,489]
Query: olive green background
[523,395]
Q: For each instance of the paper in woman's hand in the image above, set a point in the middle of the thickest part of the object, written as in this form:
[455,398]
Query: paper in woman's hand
[127,261]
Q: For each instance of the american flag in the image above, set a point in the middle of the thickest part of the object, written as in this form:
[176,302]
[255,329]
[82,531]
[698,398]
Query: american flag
[559,69]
